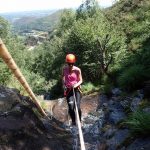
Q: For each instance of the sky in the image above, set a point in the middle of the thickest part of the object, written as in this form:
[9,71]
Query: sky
[27,5]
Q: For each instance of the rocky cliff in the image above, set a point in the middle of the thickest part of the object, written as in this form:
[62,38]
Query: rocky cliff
[22,129]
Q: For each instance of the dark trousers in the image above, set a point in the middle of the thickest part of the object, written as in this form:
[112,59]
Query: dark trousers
[71,103]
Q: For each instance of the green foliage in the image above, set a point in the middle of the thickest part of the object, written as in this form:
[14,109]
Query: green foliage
[106,88]
[139,123]
[36,82]
[4,72]
[111,45]
[89,88]
[17,50]
[132,17]
[56,90]
[66,21]
[132,77]
[87,9]
[4,28]
[82,41]
[48,61]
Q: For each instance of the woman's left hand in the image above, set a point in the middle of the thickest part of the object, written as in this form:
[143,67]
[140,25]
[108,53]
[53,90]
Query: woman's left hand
[75,86]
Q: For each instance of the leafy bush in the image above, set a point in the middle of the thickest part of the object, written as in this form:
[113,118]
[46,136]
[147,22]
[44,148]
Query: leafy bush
[36,82]
[139,123]
[56,89]
[132,77]
[89,87]
[5,74]
[106,88]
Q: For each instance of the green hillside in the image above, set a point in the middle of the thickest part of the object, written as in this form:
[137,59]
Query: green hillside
[35,23]
[133,17]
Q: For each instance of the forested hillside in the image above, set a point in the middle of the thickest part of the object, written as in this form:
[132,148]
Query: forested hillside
[29,23]
[111,45]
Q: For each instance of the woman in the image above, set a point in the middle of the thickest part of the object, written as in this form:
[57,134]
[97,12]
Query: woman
[72,79]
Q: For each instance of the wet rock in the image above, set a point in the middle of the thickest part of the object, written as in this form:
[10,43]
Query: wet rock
[116,91]
[140,144]
[125,103]
[94,130]
[147,110]
[115,105]
[116,112]
[102,146]
[140,94]
[103,99]
[93,123]
[109,133]
[117,139]
[116,116]
[135,103]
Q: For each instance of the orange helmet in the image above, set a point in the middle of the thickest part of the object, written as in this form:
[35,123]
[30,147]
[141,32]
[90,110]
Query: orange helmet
[70,58]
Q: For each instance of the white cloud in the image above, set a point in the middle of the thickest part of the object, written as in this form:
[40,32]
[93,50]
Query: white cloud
[23,5]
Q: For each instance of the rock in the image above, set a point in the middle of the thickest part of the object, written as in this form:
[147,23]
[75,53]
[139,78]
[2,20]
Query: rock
[135,103]
[115,105]
[116,91]
[102,146]
[95,129]
[125,103]
[103,99]
[140,144]
[116,116]
[116,112]
[8,97]
[117,139]
[21,128]
[109,133]
[147,109]
[140,94]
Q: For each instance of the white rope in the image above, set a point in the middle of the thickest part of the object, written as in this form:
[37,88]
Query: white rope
[79,124]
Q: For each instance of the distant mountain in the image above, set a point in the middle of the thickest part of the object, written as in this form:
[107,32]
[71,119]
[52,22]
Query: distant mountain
[29,23]
[13,16]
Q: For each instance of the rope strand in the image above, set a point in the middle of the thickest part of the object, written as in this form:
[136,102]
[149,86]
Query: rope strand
[79,124]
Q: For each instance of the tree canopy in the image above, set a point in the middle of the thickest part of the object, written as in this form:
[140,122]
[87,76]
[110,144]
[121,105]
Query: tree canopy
[111,45]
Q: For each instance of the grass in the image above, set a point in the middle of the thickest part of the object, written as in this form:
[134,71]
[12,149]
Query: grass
[139,123]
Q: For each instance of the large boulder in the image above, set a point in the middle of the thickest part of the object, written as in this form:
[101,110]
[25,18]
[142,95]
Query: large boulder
[22,128]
